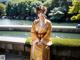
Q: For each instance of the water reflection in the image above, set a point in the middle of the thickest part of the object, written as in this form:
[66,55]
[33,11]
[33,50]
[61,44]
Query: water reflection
[28,22]
[14,22]
[28,34]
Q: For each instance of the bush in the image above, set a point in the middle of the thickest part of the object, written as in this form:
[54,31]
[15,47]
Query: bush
[56,14]
[2,9]
[22,10]
[75,10]
[73,18]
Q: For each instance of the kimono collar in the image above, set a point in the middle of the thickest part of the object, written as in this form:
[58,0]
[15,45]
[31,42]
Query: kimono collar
[44,21]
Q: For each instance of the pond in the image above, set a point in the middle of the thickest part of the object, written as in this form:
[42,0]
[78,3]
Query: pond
[28,34]
[27,22]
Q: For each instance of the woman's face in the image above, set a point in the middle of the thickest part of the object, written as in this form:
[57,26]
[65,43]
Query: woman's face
[40,14]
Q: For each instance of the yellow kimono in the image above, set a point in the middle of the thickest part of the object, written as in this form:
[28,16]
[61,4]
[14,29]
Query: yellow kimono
[41,32]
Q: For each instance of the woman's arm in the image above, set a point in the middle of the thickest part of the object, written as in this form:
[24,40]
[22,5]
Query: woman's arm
[46,37]
[33,34]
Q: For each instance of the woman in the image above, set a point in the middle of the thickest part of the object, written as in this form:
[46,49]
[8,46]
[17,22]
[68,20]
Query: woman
[40,32]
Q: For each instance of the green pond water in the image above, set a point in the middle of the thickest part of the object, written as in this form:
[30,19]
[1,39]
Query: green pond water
[27,22]
[28,34]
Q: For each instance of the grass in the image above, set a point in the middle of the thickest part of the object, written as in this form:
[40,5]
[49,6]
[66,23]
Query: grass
[62,41]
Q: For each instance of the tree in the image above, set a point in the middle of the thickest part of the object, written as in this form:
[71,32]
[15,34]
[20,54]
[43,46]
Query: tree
[22,9]
[2,9]
[75,10]
[58,10]
[56,14]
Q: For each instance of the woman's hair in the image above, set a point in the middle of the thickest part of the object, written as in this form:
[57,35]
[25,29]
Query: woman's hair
[41,8]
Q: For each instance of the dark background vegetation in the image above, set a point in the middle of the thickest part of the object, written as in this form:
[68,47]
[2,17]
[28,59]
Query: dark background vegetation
[58,10]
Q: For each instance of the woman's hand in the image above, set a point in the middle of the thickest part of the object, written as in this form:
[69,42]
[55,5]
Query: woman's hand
[46,43]
[39,43]
[49,43]
[35,42]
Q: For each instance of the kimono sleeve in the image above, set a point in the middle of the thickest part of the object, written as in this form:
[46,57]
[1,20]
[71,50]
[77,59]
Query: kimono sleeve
[46,38]
[33,33]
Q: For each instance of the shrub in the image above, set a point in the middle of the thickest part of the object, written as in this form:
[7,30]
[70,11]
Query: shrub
[2,9]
